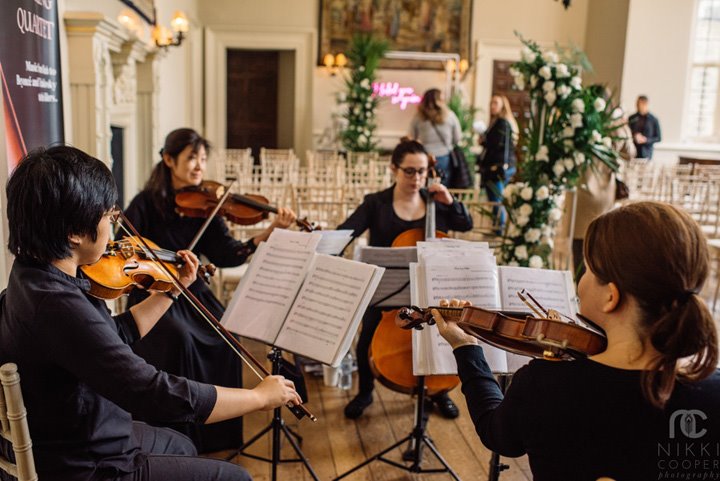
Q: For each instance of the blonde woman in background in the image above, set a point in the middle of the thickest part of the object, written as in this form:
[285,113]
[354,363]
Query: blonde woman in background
[497,163]
[438,129]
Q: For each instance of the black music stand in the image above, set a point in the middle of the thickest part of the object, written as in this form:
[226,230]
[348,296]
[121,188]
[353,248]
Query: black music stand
[496,466]
[416,439]
[277,427]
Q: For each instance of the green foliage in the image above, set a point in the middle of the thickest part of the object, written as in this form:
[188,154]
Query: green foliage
[364,57]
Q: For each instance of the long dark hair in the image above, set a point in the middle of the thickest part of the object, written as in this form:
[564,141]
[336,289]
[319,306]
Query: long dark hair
[657,253]
[430,107]
[159,185]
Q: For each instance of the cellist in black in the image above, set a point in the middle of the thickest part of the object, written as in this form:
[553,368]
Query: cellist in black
[387,214]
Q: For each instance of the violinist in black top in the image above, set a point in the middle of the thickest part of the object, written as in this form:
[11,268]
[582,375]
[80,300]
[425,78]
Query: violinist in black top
[648,407]
[182,343]
[387,214]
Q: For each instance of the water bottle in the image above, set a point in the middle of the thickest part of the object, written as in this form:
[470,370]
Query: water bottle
[346,370]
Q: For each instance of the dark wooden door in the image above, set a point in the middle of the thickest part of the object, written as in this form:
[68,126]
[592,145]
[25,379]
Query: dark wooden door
[252,99]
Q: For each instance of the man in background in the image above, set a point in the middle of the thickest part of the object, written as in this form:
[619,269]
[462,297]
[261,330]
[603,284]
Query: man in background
[645,129]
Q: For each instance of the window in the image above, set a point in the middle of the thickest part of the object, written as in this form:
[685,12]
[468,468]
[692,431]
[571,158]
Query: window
[702,105]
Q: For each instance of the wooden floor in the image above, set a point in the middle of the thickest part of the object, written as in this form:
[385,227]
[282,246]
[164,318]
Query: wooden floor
[334,444]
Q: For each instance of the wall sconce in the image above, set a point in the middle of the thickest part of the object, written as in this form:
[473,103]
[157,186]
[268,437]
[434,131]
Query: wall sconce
[164,38]
[335,64]
[457,69]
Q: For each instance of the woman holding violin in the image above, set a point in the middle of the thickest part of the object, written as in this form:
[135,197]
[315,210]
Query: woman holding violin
[388,214]
[182,343]
[640,409]
[83,386]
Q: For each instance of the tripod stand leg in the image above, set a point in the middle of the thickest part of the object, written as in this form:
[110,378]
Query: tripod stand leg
[439,457]
[249,443]
[370,460]
[289,435]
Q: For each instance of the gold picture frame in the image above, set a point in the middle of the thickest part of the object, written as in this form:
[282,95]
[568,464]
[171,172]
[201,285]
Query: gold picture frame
[407,25]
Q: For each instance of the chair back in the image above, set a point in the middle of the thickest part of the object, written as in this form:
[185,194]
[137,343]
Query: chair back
[14,427]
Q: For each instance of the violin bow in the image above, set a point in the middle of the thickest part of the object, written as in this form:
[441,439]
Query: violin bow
[299,410]
[582,318]
[527,303]
[209,219]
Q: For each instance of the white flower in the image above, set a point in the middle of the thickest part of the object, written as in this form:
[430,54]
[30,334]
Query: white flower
[550,97]
[561,70]
[525,210]
[579,158]
[568,133]
[513,231]
[341,97]
[617,113]
[596,137]
[563,91]
[509,191]
[520,83]
[361,68]
[607,142]
[576,120]
[521,252]
[548,241]
[578,105]
[522,221]
[599,104]
[548,86]
[368,105]
[545,72]
[514,72]
[365,83]
[513,264]
[568,144]
[555,214]
[542,193]
[532,235]
[536,262]
[550,57]
[558,169]
[533,81]
[527,193]
[569,164]
[542,154]
[576,83]
[527,55]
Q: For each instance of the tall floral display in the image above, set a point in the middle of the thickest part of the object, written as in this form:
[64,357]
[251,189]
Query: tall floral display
[364,55]
[570,129]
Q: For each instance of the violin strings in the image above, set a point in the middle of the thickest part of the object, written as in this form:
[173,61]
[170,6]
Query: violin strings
[202,314]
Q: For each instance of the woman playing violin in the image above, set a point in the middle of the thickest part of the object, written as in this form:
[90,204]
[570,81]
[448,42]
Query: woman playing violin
[182,343]
[82,384]
[387,214]
[641,409]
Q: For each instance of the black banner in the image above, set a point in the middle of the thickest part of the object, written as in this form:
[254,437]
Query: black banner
[30,75]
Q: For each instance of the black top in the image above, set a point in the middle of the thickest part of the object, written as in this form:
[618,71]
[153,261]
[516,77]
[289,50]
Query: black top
[649,126]
[182,342]
[377,214]
[498,145]
[79,378]
[580,420]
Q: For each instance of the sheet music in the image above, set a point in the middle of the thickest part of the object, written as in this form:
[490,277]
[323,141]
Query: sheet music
[333,242]
[328,308]
[268,288]
[476,282]
[396,261]
[552,289]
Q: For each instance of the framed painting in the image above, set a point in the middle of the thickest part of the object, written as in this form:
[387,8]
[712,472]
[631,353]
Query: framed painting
[407,25]
[144,8]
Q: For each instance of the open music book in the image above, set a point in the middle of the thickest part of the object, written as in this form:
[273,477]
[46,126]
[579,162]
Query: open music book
[300,301]
[471,273]
[394,289]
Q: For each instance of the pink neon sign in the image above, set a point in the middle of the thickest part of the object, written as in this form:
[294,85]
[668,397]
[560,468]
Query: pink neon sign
[398,95]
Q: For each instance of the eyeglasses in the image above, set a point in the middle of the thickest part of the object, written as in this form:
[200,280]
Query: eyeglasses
[114,214]
[411,172]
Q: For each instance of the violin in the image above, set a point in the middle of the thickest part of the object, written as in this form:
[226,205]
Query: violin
[202,200]
[127,264]
[517,332]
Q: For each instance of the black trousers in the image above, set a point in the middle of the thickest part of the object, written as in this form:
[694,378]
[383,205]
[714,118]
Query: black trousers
[172,456]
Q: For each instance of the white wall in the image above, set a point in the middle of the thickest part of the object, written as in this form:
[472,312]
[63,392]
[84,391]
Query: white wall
[657,60]
[605,41]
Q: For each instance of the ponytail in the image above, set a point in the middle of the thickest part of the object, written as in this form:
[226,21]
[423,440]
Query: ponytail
[688,329]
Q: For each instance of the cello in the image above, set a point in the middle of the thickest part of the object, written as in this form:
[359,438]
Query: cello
[390,352]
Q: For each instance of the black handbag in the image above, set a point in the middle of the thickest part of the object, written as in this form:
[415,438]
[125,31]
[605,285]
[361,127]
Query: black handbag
[461,177]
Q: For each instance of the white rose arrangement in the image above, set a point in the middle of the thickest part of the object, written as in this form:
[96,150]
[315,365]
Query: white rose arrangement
[570,128]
